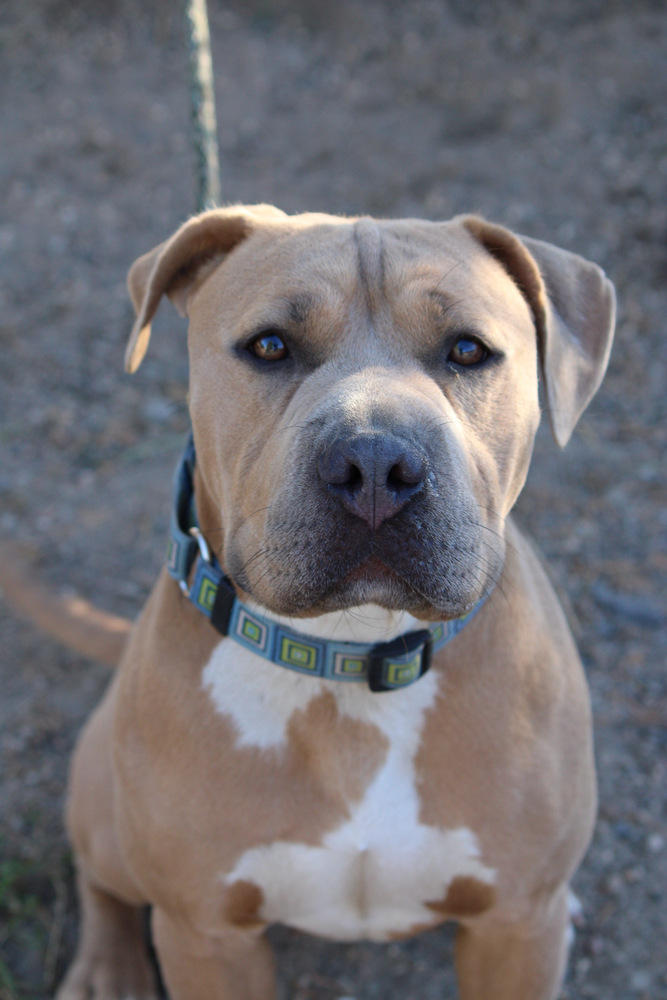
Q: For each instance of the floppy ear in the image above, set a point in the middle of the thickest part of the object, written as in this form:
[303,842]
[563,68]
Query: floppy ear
[176,267]
[573,306]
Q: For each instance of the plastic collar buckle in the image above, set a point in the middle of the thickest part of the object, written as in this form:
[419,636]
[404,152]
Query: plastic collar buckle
[400,662]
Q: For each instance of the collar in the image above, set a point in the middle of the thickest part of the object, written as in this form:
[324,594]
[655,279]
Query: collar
[384,666]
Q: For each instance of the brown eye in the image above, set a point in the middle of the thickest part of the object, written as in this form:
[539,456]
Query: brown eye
[467,351]
[268,347]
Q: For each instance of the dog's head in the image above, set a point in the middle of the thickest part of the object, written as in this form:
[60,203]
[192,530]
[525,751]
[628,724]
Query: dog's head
[364,395]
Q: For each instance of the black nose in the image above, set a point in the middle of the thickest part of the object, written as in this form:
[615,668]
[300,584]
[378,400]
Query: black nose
[373,475]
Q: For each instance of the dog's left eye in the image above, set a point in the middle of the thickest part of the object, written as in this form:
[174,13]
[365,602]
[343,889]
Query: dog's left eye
[468,351]
[268,347]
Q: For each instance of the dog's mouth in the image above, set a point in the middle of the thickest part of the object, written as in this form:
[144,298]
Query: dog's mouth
[371,570]
[434,564]
[400,583]
[373,578]
[374,581]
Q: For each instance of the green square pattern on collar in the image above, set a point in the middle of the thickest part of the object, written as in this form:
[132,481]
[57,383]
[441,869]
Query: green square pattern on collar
[350,666]
[301,655]
[252,632]
[206,595]
[399,673]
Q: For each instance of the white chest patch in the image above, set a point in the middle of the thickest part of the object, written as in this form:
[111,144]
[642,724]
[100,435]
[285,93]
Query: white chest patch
[261,697]
[372,876]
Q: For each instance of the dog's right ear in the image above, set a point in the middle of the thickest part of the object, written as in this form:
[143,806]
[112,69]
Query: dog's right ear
[176,267]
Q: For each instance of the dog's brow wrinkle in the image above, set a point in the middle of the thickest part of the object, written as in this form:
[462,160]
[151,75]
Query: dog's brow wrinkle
[442,302]
[368,241]
[299,308]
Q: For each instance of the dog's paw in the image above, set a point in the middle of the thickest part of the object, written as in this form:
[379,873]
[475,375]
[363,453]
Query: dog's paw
[576,910]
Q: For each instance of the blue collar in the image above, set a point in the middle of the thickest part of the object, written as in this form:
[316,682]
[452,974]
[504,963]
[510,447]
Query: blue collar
[385,666]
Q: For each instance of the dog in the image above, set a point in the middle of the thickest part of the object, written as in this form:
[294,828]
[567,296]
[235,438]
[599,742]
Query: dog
[364,400]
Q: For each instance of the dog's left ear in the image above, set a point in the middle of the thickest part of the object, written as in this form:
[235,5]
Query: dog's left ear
[177,267]
[573,306]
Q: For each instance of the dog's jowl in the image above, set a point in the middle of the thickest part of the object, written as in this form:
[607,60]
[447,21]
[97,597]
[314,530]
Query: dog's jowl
[352,704]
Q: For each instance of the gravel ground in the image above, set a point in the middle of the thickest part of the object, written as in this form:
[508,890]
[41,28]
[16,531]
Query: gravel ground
[546,116]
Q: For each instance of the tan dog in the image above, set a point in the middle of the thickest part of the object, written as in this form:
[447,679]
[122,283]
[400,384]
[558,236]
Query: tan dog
[364,402]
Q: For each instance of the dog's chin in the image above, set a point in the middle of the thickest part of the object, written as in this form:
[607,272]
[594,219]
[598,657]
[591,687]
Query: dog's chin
[385,588]
[370,582]
[373,582]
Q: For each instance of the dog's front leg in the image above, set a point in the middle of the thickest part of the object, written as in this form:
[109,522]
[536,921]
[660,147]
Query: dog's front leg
[237,965]
[515,961]
[112,960]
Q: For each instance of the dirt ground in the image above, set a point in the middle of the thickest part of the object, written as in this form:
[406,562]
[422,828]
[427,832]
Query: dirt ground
[547,116]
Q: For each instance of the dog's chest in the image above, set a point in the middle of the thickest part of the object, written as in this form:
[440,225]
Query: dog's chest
[372,873]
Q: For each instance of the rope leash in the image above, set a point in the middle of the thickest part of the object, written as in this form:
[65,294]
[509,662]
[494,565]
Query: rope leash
[205,132]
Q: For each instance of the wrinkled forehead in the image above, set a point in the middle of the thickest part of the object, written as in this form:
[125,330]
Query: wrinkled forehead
[318,268]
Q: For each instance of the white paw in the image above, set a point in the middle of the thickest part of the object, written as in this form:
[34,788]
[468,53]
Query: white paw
[576,909]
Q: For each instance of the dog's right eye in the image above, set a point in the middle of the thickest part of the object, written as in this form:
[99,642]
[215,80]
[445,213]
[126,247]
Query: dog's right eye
[468,351]
[268,346]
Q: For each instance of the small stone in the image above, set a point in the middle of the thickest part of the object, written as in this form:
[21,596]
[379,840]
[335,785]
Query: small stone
[641,980]
[9,522]
[7,237]
[158,409]
[68,215]
[615,884]
[583,966]
[86,479]
[597,945]
[655,843]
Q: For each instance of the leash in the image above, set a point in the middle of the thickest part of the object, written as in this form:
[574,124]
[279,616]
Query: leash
[205,132]
[384,666]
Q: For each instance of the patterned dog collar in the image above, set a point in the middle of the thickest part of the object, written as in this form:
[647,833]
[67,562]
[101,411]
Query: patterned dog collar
[384,666]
